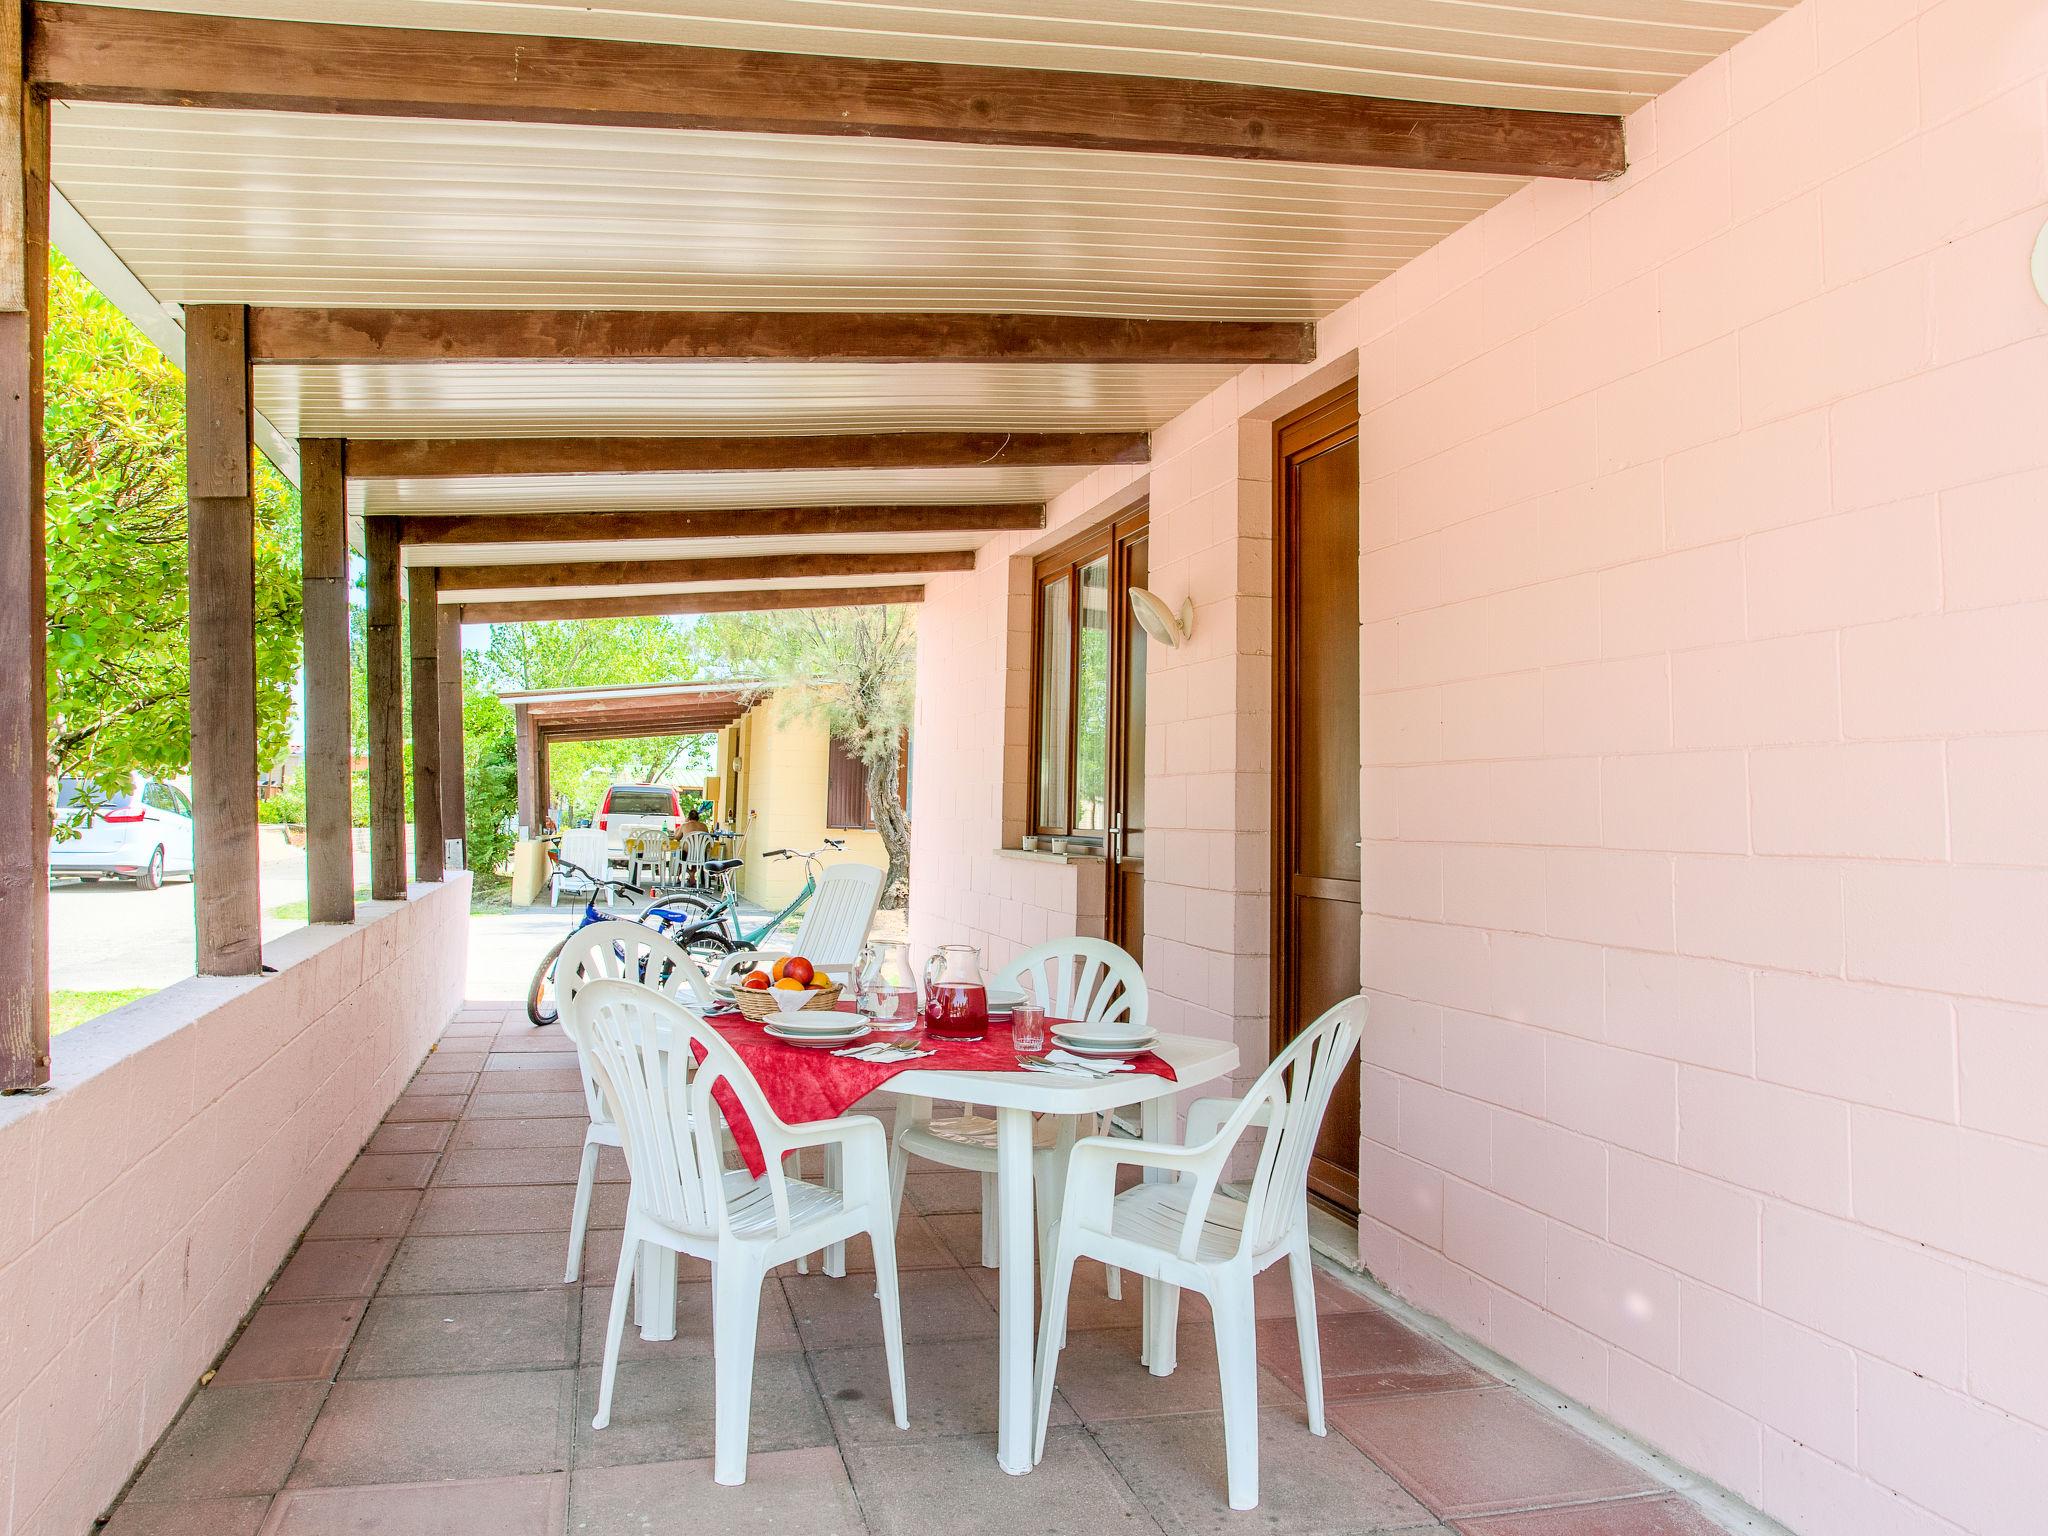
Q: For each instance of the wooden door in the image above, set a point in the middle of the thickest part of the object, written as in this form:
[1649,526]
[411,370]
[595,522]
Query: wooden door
[1316,846]
[1130,566]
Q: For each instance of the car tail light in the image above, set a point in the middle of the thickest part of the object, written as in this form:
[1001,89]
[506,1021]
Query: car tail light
[122,816]
[601,824]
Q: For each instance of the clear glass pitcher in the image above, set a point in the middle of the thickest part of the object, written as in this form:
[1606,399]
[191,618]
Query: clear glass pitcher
[885,986]
[955,997]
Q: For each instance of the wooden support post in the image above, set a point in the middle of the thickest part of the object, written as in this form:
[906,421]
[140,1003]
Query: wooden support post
[543,787]
[24,735]
[221,564]
[423,629]
[454,795]
[523,770]
[330,744]
[385,666]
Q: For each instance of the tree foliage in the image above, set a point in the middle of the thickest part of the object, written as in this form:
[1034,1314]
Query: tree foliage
[855,671]
[118,659]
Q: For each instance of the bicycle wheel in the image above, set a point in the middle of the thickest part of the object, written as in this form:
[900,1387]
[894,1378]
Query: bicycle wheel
[707,947]
[539,1005]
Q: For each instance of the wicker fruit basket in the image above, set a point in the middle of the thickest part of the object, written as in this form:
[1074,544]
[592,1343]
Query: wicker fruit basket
[759,1005]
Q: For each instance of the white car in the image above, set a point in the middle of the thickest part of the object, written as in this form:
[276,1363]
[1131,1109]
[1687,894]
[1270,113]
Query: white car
[141,833]
[632,808]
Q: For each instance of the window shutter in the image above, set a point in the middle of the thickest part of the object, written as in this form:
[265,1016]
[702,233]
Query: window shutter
[846,789]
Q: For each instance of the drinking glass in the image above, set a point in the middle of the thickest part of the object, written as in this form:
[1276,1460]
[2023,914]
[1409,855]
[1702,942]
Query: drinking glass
[1027,1029]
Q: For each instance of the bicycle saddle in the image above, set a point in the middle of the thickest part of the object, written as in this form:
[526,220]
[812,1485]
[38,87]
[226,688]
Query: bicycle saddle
[720,866]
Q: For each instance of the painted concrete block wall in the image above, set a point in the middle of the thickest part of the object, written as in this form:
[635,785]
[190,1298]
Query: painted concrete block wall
[1706,739]
[185,1143]
[785,764]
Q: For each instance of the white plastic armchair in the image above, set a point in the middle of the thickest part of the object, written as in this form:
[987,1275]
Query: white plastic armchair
[612,950]
[834,925]
[586,848]
[642,1049]
[1183,1233]
[1076,978]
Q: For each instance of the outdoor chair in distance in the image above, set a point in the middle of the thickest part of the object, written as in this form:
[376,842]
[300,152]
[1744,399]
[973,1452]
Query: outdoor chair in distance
[834,926]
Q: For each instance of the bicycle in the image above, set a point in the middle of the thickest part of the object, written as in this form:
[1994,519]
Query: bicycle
[721,914]
[685,923]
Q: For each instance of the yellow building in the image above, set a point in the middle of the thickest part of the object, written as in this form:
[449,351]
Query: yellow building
[780,782]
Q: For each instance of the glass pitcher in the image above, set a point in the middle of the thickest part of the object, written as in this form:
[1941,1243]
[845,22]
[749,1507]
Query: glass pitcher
[955,998]
[886,987]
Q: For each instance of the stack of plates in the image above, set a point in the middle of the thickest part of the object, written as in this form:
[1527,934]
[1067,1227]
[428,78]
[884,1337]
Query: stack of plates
[1107,1040]
[1002,999]
[819,1029]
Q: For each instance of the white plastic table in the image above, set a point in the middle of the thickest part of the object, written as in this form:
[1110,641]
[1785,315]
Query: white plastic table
[1015,1097]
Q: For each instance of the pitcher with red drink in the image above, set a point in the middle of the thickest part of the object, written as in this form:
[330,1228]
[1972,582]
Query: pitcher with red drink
[955,997]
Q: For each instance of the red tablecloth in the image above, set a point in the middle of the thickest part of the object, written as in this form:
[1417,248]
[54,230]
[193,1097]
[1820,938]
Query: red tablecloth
[810,1083]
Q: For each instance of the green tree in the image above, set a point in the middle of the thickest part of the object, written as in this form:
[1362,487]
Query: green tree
[118,659]
[855,671]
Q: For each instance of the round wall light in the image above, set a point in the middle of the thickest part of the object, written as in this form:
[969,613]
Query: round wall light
[2041,265]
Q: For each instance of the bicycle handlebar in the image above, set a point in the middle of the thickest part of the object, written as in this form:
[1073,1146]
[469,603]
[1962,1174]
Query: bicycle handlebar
[836,844]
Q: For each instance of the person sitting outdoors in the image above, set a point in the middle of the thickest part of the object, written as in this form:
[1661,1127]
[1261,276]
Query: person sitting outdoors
[695,821]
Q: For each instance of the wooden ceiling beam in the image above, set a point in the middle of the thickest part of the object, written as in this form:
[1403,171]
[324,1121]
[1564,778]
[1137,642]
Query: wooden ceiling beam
[388,458]
[103,53]
[666,604]
[455,531]
[794,336]
[555,574]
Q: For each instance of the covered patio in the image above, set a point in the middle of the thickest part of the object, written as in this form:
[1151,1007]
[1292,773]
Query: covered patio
[1581,467]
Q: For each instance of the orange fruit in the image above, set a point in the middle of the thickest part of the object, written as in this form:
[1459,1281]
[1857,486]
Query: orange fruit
[779,967]
[789,984]
[756,981]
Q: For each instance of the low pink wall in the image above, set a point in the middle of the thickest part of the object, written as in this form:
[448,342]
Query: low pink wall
[183,1146]
[1705,518]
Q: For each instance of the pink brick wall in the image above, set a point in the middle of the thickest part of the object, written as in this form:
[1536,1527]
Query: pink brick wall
[1705,587]
[184,1144]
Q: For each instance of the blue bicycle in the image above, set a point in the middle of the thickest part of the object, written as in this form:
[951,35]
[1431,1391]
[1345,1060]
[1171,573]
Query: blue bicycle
[684,921]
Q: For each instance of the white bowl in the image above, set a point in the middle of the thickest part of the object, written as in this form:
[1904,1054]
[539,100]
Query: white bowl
[809,1038]
[1006,998]
[816,1021]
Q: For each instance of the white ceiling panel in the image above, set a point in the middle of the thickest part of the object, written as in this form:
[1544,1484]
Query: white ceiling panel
[1562,55]
[696,549]
[662,492]
[777,584]
[720,398]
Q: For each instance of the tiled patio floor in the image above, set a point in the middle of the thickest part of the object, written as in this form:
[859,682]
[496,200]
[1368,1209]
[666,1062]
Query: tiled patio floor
[419,1369]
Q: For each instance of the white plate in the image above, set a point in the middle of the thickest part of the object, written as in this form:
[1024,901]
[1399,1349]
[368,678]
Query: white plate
[805,1038]
[1104,1052]
[1104,1034]
[817,1022]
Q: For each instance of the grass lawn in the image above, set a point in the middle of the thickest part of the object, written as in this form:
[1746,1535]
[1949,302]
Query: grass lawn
[68,1010]
[297,911]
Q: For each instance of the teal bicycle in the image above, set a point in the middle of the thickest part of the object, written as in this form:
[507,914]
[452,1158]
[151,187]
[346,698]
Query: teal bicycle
[721,914]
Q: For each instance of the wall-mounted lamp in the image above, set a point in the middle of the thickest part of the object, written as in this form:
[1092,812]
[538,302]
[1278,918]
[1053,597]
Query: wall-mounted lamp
[2041,265]
[1160,621]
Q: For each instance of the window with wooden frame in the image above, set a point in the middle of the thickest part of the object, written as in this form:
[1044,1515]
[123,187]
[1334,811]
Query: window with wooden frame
[1080,627]
[846,786]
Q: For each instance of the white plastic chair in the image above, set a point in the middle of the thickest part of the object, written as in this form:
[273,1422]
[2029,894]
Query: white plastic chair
[1077,978]
[1183,1234]
[834,926]
[586,848]
[684,1198]
[612,950]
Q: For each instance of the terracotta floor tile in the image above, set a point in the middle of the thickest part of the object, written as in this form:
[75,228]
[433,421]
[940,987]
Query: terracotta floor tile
[365,1213]
[322,1269]
[953,1486]
[510,1165]
[411,1136]
[936,1304]
[452,1057]
[556,1131]
[390,1170]
[775,1330]
[230,1441]
[1366,1354]
[951,1390]
[802,1491]
[433,1079]
[532,1061]
[1473,1453]
[502,1261]
[291,1341]
[960,1231]
[417,1429]
[1100,1376]
[426,1106]
[480,1331]
[1670,1516]
[917,1247]
[523,1037]
[1308,1485]
[941,1191]
[509,1506]
[522,1106]
[1088,1304]
[549,1079]
[662,1411]
[200,1517]
[460,1212]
